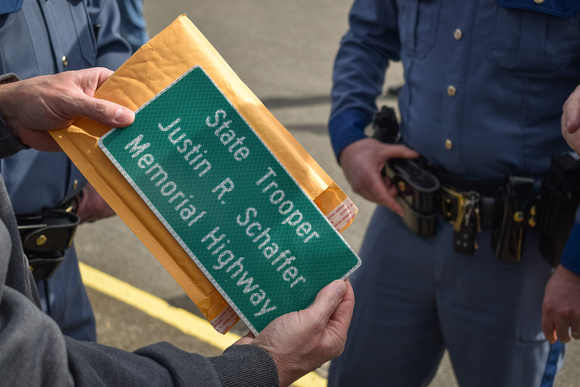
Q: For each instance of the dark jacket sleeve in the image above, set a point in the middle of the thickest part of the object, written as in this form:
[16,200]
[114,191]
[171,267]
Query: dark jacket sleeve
[163,364]
[9,144]
[34,352]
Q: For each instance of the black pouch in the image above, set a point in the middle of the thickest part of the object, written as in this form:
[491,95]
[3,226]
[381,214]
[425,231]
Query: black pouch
[417,187]
[45,237]
[516,211]
[417,191]
[560,196]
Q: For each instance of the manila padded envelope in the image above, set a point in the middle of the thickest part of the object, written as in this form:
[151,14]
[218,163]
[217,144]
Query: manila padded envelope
[150,70]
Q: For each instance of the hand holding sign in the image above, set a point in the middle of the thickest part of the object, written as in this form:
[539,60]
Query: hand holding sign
[300,342]
[268,249]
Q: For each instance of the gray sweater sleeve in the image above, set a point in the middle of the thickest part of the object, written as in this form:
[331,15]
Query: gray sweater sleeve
[163,364]
[9,144]
[34,352]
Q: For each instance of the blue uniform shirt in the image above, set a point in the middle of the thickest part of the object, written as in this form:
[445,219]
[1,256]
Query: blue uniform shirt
[484,86]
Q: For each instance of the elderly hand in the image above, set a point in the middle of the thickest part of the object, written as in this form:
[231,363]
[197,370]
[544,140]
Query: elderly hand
[32,106]
[300,342]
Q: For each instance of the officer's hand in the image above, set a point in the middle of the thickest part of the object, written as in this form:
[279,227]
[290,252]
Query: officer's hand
[571,120]
[91,206]
[561,308]
[300,342]
[31,106]
[363,162]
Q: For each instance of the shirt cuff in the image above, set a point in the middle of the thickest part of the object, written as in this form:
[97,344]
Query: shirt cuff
[9,144]
[246,365]
[571,255]
[346,128]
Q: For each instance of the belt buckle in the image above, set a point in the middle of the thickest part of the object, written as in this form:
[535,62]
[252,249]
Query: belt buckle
[461,209]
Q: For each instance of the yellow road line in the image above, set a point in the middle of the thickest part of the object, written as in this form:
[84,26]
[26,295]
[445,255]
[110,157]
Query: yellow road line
[178,318]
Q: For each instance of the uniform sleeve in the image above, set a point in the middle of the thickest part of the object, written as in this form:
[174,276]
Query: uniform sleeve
[571,255]
[359,68]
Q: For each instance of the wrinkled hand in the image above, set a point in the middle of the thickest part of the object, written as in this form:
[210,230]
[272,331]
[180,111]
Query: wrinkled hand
[571,120]
[561,307]
[363,162]
[32,106]
[91,206]
[300,342]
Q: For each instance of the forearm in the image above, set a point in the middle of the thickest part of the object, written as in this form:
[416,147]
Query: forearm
[35,352]
[163,364]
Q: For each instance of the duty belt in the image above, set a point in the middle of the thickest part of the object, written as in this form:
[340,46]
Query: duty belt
[45,237]
[507,207]
[459,195]
[469,205]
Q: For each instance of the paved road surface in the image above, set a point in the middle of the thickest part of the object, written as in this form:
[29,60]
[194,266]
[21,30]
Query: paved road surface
[283,50]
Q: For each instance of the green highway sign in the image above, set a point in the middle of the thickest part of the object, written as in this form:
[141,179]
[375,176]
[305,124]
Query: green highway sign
[228,201]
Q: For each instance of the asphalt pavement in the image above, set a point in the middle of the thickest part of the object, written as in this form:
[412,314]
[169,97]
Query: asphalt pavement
[283,51]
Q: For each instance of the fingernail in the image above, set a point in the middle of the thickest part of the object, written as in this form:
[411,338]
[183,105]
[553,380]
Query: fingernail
[339,287]
[124,116]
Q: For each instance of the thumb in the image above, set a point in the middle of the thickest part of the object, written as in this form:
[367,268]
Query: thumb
[104,112]
[328,299]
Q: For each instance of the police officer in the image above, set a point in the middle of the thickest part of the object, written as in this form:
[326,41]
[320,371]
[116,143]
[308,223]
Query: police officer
[39,37]
[485,81]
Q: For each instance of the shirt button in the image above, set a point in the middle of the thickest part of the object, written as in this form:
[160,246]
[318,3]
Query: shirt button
[448,144]
[451,90]
[75,184]
[538,1]
[458,34]
[64,60]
